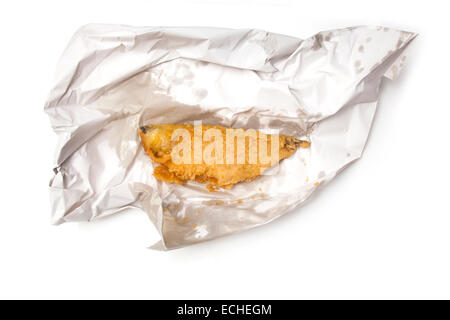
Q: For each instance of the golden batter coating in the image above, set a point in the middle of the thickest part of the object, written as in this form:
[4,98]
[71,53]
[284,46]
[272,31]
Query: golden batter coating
[212,154]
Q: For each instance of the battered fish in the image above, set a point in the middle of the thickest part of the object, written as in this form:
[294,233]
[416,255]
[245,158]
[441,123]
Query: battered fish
[213,155]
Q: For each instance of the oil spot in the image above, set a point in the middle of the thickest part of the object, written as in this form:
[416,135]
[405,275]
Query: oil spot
[171,207]
[358,68]
[239,201]
[394,72]
[262,196]
[318,39]
[259,189]
[182,75]
[195,226]
[306,180]
[201,93]
[200,63]
[218,203]
[316,183]
[186,219]
[304,163]
[361,48]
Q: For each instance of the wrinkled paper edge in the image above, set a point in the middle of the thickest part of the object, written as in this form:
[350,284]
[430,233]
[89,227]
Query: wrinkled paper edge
[389,68]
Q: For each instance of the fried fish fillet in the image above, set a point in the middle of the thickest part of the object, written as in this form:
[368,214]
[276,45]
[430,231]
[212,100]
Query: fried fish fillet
[228,169]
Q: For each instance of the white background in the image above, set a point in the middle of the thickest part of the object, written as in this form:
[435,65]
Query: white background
[381,229]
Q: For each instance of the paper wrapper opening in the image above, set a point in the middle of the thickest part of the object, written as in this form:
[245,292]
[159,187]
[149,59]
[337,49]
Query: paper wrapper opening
[113,79]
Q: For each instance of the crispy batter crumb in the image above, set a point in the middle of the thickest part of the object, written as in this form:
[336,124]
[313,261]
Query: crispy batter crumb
[211,188]
[162,173]
[305,144]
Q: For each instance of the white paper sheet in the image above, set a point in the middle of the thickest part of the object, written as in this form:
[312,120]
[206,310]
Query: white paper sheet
[112,79]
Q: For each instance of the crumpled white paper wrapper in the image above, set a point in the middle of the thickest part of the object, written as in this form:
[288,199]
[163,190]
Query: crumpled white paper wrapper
[112,79]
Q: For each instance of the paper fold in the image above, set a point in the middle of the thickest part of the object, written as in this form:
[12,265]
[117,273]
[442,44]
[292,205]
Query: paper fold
[112,79]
